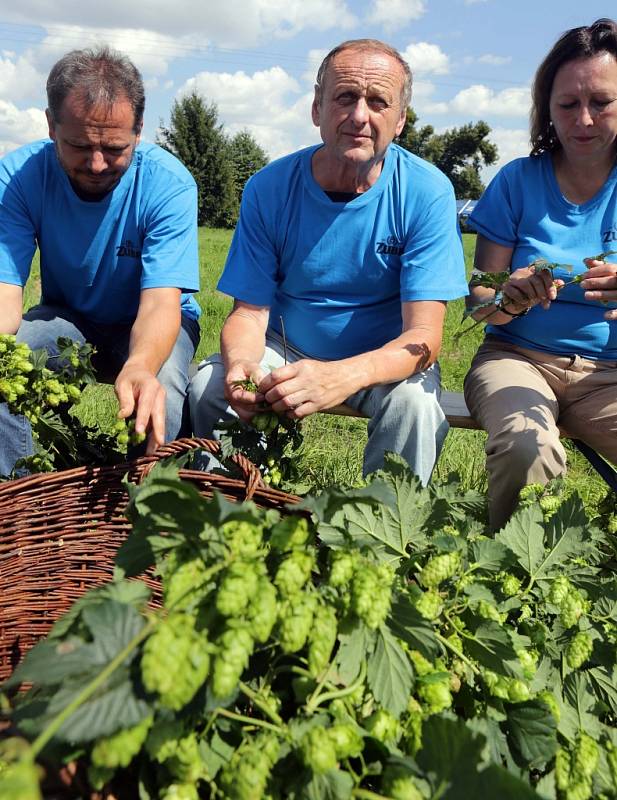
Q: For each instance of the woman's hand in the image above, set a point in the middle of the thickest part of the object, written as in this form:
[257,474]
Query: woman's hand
[600,283]
[527,287]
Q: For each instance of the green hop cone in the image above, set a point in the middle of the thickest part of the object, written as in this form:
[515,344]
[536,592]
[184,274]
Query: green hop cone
[488,611]
[163,738]
[295,621]
[342,565]
[559,590]
[322,639]
[179,791]
[429,604]
[262,611]
[184,580]
[175,660]
[243,538]
[571,609]
[549,505]
[235,646]
[439,568]
[371,593]
[237,586]
[247,774]
[347,740]
[518,691]
[317,750]
[289,534]
[186,764]
[382,725]
[293,572]
[436,695]
[510,585]
[579,649]
[585,756]
[530,493]
[550,700]
[119,749]
[398,783]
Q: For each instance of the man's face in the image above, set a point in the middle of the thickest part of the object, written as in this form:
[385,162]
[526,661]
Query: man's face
[358,109]
[94,145]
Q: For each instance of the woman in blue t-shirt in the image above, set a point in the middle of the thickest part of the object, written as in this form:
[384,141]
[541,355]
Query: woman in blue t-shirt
[549,360]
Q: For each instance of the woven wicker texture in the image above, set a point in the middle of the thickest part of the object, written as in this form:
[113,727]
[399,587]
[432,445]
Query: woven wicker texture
[59,533]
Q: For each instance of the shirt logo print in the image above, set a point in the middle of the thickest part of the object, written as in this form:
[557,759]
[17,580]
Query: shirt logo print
[128,250]
[610,235]
[391,247]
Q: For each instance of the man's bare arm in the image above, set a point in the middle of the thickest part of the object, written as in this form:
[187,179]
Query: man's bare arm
[152,339]
[307,386]
[11,303]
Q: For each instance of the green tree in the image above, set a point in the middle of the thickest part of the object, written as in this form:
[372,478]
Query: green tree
[247,158]
[458,152]
[196,137]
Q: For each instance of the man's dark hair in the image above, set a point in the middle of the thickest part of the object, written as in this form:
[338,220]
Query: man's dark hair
[371,46]
[584,42]
[98,75]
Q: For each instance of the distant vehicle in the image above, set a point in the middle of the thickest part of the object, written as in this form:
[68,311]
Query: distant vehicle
[463,210]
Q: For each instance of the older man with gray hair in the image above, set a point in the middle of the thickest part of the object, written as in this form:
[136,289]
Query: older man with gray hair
[115,222]
[352,247]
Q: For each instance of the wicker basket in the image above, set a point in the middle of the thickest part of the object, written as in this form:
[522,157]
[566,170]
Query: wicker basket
[59,533]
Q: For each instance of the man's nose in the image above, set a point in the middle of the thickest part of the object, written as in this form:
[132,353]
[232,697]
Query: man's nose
[97,162]
[360,112]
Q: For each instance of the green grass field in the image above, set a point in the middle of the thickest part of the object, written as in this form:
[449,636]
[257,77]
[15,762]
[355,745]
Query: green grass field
[332,452]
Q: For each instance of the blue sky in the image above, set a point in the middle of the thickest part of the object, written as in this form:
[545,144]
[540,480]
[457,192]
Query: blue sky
[256,59]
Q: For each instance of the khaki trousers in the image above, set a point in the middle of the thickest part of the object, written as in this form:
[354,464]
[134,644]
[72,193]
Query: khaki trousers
[522,398]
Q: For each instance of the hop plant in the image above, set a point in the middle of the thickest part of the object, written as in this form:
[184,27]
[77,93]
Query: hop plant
[295,621]
[398,783]
[290,533]
[238,585]
[439,568]
[235,646]
[429,604]
[347,740]
[318,750]
[175,660]
[436,695]
[559,590]
[579,649]
[247,774]
[262,611]
[293,572]
[321,639]
[571,608]
[510,585]
[371,593]
[243,538]
[342,565]
[120,749]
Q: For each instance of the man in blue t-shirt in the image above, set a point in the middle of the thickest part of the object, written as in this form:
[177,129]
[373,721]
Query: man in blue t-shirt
[115,222]
[350,251]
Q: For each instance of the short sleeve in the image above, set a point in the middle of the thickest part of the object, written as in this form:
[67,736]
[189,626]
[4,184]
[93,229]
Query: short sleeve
[494,215]
[17,230]
[169,250]
[433,263]
[250,273]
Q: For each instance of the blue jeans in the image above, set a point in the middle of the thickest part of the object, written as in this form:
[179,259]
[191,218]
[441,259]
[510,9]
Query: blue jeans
[405,417]
[42,325]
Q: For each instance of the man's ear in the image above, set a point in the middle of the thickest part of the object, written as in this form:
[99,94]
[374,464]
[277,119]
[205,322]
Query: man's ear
[401,123]
[138,132]
[315,107]
[50,124]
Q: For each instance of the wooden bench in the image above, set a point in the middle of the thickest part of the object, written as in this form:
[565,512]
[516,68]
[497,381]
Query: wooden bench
[458,416]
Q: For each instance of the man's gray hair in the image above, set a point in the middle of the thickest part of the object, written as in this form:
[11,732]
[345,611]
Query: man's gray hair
[371,46]
[98,75]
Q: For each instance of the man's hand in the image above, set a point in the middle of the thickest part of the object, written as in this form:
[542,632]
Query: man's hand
[600,283]
[527,288]
[139,391]
[245,403]
[306,386]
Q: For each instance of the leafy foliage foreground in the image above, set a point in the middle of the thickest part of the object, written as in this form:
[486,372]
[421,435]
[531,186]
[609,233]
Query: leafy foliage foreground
[370,643]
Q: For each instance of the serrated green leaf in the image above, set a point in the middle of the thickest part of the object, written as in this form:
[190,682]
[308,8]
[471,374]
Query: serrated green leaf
[363,525]
[51,662]
[492,647]
[490,555]
[451,755]
[168,505]
[495,781]
[410,626]
[353,649]
[135,593]
[389,673]
[215,753]
[479,591]
[605,685]
[579,700]
[524,536]
[532,733]
[113,625]
[335,784]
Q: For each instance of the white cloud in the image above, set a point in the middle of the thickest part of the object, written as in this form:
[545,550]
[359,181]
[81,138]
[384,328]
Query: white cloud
[19,127]
[269,103]
[494,60]
[19,78]
[479,99]
[425,58]
[314,58]
[511,143]
[392,14]
[422,100]
[234,23]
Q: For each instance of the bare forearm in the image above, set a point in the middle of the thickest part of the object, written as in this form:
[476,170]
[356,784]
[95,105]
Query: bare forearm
[242,338]
[11,298]
[153,336]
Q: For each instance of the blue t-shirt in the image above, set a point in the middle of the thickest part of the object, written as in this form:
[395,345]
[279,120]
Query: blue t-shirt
[336,272]
[524,208]
[96,257]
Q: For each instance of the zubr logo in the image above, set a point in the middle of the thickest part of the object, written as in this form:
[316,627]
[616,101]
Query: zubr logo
[391,247]
[610,235]
[128,250]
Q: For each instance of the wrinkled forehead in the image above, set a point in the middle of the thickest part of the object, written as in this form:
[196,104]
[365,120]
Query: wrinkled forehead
[363,69]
